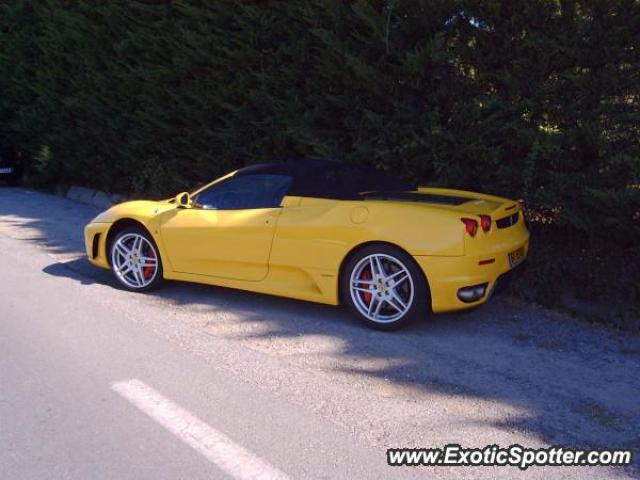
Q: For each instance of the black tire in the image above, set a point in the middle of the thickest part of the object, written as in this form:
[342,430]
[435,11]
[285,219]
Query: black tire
[157,278]
[417,305]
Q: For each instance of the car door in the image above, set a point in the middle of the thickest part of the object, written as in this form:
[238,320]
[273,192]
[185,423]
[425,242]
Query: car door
[229,230]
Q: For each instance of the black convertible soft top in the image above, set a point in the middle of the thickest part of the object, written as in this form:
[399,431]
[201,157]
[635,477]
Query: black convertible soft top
[330,179]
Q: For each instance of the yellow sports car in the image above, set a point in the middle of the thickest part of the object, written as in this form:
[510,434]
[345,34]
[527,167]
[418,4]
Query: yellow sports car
[320,231]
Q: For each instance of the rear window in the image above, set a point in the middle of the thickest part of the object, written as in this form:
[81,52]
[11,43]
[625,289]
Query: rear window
[347,181]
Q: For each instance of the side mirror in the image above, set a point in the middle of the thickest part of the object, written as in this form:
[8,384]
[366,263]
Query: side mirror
[183,200]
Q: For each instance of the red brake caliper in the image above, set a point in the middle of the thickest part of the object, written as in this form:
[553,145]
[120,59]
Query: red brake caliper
[366,275]
[148,271]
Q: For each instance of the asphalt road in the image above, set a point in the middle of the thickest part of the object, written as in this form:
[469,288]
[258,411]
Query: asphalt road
[199,382]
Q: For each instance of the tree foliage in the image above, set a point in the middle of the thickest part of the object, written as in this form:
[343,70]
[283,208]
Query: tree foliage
[528,99]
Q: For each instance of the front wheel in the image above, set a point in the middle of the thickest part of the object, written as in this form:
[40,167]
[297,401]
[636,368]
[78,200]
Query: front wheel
[135,261]
[384,287]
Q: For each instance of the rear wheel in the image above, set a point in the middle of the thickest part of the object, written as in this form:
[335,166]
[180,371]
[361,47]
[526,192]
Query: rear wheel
[135,261]
[384,287]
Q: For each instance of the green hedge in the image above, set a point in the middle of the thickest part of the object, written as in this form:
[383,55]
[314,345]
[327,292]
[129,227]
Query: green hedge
[529,99]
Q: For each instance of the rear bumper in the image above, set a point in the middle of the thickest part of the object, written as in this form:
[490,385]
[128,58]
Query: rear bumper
[447,275]
[95,242]
[504,280]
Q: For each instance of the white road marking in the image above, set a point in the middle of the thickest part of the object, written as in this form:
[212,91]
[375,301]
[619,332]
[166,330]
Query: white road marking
[214,445]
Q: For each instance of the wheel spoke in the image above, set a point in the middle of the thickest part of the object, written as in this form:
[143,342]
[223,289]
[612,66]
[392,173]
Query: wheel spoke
[378,307]
[139,277]
[365,290]
[122,250]
[137,245]
[132,245]
[372,267]
[372,304]
[363,282]
[149,261]
[375,305]
[395,297]
[379,266]
[392,305]
[124,269]
[398,277]
[133,277]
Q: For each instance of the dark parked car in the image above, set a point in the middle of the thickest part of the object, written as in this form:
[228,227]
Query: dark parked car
[11,163]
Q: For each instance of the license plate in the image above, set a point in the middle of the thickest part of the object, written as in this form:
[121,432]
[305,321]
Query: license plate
[6,170]
[516,257]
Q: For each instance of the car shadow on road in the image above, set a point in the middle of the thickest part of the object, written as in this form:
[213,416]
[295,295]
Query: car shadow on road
[493,354]
[81,270]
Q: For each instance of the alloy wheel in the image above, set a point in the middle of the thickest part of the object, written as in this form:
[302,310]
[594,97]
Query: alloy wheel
[381,288]
[134,260]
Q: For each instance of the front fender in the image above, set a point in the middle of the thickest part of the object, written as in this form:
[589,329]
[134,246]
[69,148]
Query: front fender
[143,212]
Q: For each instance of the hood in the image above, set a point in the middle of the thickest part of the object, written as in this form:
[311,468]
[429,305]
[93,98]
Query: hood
[138,209]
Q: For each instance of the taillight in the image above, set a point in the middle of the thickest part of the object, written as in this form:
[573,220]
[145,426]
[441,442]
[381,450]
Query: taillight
[485,222]
[470,225]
